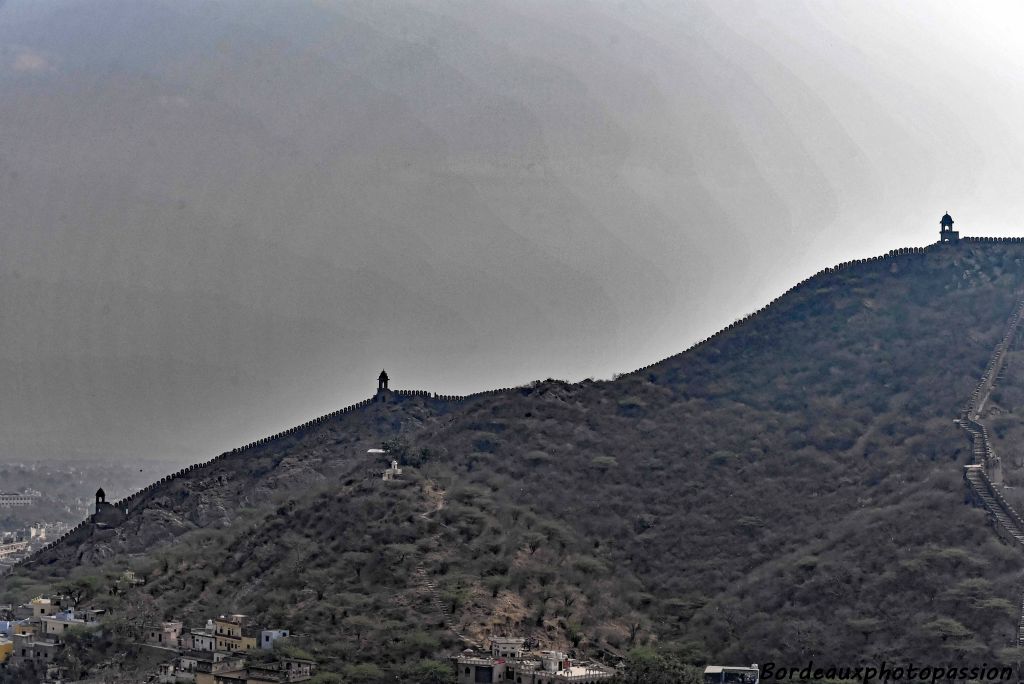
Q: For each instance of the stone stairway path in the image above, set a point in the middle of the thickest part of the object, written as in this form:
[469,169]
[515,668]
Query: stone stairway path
[439,606]
[1007,523]
[429,587]
[981,447]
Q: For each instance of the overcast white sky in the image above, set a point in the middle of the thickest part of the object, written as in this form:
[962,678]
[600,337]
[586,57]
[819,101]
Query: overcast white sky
[221,218]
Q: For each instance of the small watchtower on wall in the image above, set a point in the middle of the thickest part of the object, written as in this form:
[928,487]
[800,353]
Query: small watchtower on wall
[946,232]
[382,387]
[106,515]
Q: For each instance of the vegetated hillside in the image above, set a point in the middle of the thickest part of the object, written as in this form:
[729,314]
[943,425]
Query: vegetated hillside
[789,490]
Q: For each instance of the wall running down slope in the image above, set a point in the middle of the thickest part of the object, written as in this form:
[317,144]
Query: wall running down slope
[983,474]
[137,500]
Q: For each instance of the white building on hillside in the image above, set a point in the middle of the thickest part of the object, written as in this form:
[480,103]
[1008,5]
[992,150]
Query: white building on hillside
[508,662]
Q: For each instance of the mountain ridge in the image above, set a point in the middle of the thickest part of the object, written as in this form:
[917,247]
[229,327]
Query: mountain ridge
[128,501]
[833,398]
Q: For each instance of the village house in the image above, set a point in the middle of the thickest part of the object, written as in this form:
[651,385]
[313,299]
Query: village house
[9,628]
[725,674]
[20,627]
[6,648]
[234,635]
[199,638]
[207,670]
[41,607]
[60,622]
[216,653]
[286,670]
[166,634]
[37,650]
[37,638]
[187,661]
[201,666]
[269,636]
[507,661]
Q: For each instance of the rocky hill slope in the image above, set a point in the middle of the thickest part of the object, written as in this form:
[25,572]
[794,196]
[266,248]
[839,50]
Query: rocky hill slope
[790,489]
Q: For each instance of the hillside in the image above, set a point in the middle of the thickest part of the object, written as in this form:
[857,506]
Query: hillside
[789,490]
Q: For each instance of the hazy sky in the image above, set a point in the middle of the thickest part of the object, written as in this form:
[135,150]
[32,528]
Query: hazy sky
[221,218]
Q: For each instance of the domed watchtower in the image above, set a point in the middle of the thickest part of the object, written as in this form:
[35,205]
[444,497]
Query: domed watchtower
[107,515]
[946,232]
[382,387]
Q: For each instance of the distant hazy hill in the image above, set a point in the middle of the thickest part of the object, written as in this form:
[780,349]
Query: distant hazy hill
[789,490]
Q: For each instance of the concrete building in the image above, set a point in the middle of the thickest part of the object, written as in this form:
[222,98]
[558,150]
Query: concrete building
[206,663]
[14,550]
[30,648]
[56,625]
[287,670]
[233,635]
[207,670]
[164,634]
[507,647]
[13,627]
[269,636]
[726,674]
[508,662]
[204,639]
[40,607]
[188,661]
[11,499]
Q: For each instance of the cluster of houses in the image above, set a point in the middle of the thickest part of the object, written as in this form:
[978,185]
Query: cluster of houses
[226,650]
[33,637]
[18,544]
[509,661]
[221,653]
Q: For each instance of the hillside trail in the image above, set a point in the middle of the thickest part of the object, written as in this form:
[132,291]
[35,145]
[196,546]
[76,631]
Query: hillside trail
[983,475]
[435,496]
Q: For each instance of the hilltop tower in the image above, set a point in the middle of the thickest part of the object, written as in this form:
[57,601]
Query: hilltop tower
[382,387]
[946,232]
[107,515]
